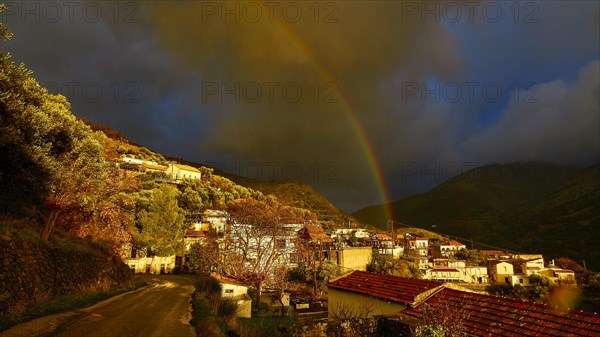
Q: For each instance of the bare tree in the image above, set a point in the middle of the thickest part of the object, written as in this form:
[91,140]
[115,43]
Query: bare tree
[442,319]
[280,286]
[250,251]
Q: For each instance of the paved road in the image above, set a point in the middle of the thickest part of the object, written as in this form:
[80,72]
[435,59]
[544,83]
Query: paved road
[161,310]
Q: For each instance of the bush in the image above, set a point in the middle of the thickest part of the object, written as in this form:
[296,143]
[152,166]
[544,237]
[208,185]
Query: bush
[207,301]
[227,308]
[594,281]
[208,286]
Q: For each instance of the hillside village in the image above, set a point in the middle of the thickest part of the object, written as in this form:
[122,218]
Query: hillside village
[349,248]
[86,215]
[438,266]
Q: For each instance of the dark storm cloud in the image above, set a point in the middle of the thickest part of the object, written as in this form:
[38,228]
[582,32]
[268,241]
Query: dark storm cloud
[114,74]
[187,76]
[364,47]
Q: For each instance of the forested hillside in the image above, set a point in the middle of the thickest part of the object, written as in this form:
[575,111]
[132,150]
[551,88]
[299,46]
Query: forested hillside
[532,207]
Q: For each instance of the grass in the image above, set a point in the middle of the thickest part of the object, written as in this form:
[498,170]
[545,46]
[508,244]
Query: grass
[66,303]
[200,307]
[268,324]
[207,302]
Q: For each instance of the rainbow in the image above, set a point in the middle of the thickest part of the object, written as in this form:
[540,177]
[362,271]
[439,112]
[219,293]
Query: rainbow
[357,127]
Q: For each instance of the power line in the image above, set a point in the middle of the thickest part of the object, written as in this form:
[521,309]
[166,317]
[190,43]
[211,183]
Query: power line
[391,224]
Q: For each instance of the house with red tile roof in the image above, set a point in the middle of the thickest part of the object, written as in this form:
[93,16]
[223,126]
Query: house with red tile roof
[484,315]
[561,276]
[359,292]
[493,254]
[386,245]
[420,244]
[446,248]
[477,314]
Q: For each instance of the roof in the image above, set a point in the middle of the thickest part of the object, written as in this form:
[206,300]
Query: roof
[445,269]
[187,168]
[227,279]
[452,243]
[191,233]
[387,287]
[314,234]
[383,237]
[486,315]
[154,167]
[215,213]
[492,252]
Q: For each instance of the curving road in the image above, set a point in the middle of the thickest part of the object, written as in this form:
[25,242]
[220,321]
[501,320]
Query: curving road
[162,309]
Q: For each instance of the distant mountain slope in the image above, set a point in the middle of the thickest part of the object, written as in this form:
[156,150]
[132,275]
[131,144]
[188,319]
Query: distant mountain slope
[295,194]
[533,207]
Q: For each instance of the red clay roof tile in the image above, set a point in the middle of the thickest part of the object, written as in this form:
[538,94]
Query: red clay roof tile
[485,315]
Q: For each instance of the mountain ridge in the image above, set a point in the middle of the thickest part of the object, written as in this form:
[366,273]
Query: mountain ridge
[522,206]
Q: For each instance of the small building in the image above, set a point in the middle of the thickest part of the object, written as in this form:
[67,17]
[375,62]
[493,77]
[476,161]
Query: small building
[446,248]
[448,263]
[532,266]
[236,291]
[361,294]
[180,171]
[135,161]
[443,274]
[494,254]
[353,258]
[519,279]
[216,220]
[475,274]
[192,236]
[564,277]
[502,271]
[421,245]
[148,167]
[364,294]
[152,265]
[386,245]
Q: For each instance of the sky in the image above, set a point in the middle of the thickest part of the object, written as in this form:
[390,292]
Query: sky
[367,101]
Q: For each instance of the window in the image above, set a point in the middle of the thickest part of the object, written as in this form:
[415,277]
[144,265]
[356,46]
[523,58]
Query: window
[229,291]
[280,244]
[521,281]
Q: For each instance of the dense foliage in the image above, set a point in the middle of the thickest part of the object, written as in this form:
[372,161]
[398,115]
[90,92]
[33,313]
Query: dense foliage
[388,265]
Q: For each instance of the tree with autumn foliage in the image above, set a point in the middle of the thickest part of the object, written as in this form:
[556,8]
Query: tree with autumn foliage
[110,214]
[251,251]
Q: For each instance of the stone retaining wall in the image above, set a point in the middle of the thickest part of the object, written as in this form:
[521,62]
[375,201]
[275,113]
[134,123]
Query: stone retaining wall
[34,272]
